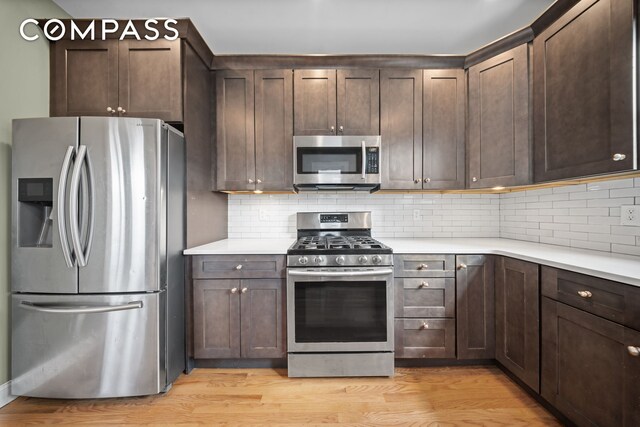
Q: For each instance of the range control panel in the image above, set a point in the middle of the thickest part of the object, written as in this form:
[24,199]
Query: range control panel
[334,218]
[373,160]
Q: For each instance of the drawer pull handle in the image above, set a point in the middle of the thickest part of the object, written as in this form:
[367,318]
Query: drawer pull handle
[585,294]
[634,351]
[244,290]
[423,267]
[239,267]
[234,290]
[424,285]
[424,325]
[462,266]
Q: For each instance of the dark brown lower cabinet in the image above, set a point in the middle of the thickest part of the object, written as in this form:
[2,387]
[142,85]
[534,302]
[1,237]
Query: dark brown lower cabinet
[474,306]
[518,319]
[238,318]
[588,370]
[425,338]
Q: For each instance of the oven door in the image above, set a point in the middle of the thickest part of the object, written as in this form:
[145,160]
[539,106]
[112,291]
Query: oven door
[340,310]
[331,160]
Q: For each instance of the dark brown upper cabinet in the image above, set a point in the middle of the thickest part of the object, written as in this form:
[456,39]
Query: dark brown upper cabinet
[518,319]
[583,92]
[342,102]
[254,130]
[475,299]
[129,78]
[401,129]
[498,149]
[443,129]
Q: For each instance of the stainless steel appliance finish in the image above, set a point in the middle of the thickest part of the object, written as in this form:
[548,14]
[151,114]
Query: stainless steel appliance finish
[336,163]
[340,302]
[113,276]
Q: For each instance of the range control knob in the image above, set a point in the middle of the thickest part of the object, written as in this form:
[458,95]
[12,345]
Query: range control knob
[318,260]
[377,259]
[340,260]
[363,259]
[303,260]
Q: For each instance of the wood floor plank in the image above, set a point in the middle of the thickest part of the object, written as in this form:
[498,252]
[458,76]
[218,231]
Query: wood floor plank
[451,396]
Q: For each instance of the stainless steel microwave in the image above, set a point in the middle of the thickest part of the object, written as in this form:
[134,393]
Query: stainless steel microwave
[336,163]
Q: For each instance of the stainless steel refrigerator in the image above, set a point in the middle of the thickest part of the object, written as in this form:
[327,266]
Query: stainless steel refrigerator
[97,272]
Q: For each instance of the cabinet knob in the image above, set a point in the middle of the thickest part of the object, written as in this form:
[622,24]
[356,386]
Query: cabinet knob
[462,266]
[634,351]
[110,110]
[417,181]
[423,267]
[424,285]
[259,181]
[333,129]
[424,325]
[244,290]
[250,181]
[234,290]
[427,180]
[618,157]
[585,294]
[474,179]
[341,129]
[239,267]
[121,110]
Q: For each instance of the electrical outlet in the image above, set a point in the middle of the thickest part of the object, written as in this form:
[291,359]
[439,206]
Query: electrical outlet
[263,215]
[416,215]
[630,215]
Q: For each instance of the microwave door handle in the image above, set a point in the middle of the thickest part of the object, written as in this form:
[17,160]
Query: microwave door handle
[62,213]
[382,272]
[364,160]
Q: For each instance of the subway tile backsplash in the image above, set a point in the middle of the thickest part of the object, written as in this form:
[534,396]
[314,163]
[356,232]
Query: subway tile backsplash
[393,215]
[581,216]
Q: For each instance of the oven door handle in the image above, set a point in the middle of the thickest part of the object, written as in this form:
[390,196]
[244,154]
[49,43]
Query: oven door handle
[381,272]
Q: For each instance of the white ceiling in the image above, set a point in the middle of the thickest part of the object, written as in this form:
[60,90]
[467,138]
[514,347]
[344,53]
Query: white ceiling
[331,26]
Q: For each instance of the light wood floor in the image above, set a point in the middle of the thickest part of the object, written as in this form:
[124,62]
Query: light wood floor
[452,396]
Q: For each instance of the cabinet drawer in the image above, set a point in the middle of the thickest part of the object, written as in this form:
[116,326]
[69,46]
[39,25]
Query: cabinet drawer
[425,297]
[424,266]
[238,266]
[425,338]
[612,300]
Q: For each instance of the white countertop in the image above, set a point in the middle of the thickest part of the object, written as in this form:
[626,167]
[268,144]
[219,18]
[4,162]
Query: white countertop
[616,267]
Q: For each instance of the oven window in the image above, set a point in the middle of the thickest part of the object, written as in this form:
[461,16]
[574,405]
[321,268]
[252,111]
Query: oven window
[337,160]
[341,311]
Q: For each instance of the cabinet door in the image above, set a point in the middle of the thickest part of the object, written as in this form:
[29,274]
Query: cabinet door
[84,77]
[274,129]
[518,319]
[583,92]
[262,318]
[358,102]
[588,373]
[498,148]
[443,129]
[236,165]
[150,82]
[401,129]
[314,102]
[475,307]
[216,319]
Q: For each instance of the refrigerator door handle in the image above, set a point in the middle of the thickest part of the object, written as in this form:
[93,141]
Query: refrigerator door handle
[62,215]
[73,206]
[133,305]
[87,180]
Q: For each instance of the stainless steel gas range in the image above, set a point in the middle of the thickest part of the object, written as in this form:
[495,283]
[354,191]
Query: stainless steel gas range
[339,298]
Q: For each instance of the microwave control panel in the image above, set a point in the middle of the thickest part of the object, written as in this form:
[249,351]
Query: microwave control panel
[373,160]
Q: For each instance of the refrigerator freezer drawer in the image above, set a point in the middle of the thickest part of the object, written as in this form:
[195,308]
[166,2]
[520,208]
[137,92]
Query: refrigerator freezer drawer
[88,346]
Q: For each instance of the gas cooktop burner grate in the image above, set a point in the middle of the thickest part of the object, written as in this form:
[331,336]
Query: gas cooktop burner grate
[337,242]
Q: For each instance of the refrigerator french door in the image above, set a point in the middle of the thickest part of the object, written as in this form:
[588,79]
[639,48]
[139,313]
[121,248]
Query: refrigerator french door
[97,271]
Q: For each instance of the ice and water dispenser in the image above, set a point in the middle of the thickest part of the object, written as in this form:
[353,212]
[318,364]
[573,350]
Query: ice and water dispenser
[35,203]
